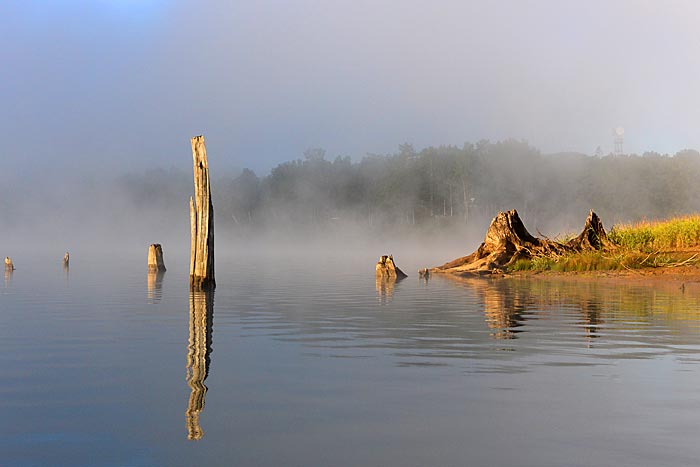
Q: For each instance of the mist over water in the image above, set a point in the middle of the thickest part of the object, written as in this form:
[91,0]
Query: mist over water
[338,132]
[429,200]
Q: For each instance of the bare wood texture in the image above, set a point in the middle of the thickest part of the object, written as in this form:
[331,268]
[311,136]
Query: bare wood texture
[386,268]
[507,240]
[155,258]
[201,221]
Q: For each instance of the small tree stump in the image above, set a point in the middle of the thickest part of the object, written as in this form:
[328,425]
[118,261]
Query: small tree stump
[155,258]
[66,260]
[387,269]
[8,264]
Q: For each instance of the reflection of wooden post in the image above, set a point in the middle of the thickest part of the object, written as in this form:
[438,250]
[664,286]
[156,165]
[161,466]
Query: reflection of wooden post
[155,258]
[201,221]
[155,285]
[198,351]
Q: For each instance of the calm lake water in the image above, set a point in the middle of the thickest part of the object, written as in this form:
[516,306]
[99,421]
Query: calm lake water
[311,362]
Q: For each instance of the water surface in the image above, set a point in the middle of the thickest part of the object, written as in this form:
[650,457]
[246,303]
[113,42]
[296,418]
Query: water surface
[298,362]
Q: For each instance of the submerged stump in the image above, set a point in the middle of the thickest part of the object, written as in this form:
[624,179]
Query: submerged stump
[387,269]
[201,221]
[507,241]
[155,258]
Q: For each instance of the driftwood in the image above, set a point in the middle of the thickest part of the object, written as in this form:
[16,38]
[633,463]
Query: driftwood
[9,266]
[387,269]
[155,258]
[201,221]
[507,241]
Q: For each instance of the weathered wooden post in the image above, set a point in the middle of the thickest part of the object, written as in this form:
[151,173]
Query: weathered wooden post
[201,221]
[66,260]
[155,258]
[8,264]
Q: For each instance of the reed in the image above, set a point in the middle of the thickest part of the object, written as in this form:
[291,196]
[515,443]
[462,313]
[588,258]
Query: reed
[646,244]
[676,233]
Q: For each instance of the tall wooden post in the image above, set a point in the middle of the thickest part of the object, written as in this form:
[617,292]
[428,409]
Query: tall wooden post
[201,222]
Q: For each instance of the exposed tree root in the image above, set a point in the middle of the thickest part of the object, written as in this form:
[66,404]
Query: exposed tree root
[507,241]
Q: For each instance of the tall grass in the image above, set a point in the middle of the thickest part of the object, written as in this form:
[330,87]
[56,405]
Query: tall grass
[680,232]
[633,246]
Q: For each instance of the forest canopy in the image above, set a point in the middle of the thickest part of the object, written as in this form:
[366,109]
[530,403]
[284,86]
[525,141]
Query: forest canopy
[432,189]
[461,185]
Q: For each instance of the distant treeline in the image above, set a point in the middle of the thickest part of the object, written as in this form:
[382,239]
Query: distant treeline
[444,185]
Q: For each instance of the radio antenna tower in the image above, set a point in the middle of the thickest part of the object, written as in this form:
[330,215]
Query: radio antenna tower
[619,134]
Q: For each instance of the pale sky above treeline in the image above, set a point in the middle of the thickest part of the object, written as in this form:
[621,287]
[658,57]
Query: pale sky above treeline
[119,85]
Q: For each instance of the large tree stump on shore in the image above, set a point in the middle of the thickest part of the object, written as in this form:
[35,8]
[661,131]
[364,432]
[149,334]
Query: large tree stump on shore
[201,221]
[155,258]
[507,240]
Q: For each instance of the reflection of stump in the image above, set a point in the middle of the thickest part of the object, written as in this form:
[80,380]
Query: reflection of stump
[155,284]
[155,258]
[8,264]
[8,276]
[201,222]
[385,289]
[198,351]
[386,268]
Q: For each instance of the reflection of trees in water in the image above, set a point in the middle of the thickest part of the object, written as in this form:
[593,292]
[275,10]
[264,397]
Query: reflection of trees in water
[198,357]
[155,286]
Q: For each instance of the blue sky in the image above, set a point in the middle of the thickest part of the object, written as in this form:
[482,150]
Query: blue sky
[121,85]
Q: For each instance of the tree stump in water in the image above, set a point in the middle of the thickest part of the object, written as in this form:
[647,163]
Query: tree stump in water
[507,240]
[8,264]
[155,258]
[387,269]
[66,260]
[201,221]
